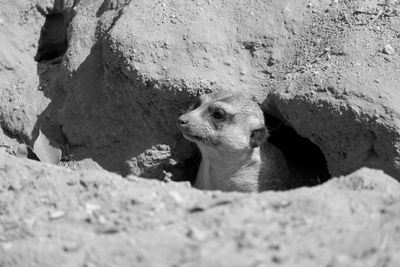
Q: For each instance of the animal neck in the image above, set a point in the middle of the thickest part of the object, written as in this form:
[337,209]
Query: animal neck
[230,171]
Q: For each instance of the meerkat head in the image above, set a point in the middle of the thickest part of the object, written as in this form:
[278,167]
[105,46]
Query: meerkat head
[224,122]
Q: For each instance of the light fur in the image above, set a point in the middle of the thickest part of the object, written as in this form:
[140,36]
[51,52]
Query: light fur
[235,153]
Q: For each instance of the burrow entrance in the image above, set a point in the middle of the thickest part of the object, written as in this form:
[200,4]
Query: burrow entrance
[53,41]
[305,159]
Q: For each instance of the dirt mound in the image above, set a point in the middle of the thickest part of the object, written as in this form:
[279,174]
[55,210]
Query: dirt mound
[53,216]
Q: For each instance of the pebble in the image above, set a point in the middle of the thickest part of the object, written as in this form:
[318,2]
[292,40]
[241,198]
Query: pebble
[388,49]
[71,246]
[107,230]
[177,197]
[281,204]
[55,215]
[196,234]
[90,208]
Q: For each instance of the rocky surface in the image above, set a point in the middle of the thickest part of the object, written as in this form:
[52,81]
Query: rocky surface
[106,80]
[52,216]
[342,89]
[22,99]
[113,76]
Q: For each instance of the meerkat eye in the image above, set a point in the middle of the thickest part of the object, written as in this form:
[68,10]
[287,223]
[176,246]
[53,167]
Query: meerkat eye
[218,114]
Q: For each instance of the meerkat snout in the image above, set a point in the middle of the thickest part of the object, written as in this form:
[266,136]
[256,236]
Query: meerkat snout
[229,131]
[182,121]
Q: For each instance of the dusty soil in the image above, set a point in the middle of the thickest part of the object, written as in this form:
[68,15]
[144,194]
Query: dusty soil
[52,216]
[105,81]
[111,77]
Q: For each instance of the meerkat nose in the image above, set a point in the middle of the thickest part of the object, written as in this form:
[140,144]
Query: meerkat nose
[182,120]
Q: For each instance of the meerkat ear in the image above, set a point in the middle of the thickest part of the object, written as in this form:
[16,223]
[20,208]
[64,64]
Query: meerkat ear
[258,136]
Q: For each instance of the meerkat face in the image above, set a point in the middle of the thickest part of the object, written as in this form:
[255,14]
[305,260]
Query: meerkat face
[225,123]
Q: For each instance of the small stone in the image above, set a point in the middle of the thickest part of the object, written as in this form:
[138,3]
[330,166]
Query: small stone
[102,219]
[281,204]
[71,182]
[90,208]
[55,215]
[196,234]
[388,49]
[107,230]
[71,246]
[176,197]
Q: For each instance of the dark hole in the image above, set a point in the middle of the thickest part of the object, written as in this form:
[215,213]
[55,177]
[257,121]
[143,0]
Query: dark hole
[53,38]
[186,170]
[305,159]
[32,155]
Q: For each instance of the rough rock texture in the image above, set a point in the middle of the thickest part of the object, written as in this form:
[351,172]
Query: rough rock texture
[341,90]
[113,75]
[110,78]
[21,96]
[52,216]
[137,64]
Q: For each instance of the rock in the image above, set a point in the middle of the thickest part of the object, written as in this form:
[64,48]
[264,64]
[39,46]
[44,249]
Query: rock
[196,234]
[72,246]
[143,79]
[21,103]
[177,197]
[114,95]
[388,49]
[90,208]
[352,130]
[57,214]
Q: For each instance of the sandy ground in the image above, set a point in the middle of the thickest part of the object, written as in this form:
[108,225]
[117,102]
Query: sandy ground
[52,216]
[105,82]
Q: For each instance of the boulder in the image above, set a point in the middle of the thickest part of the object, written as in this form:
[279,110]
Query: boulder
[341,90]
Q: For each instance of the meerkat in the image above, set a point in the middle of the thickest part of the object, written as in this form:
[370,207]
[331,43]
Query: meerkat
[231,135]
